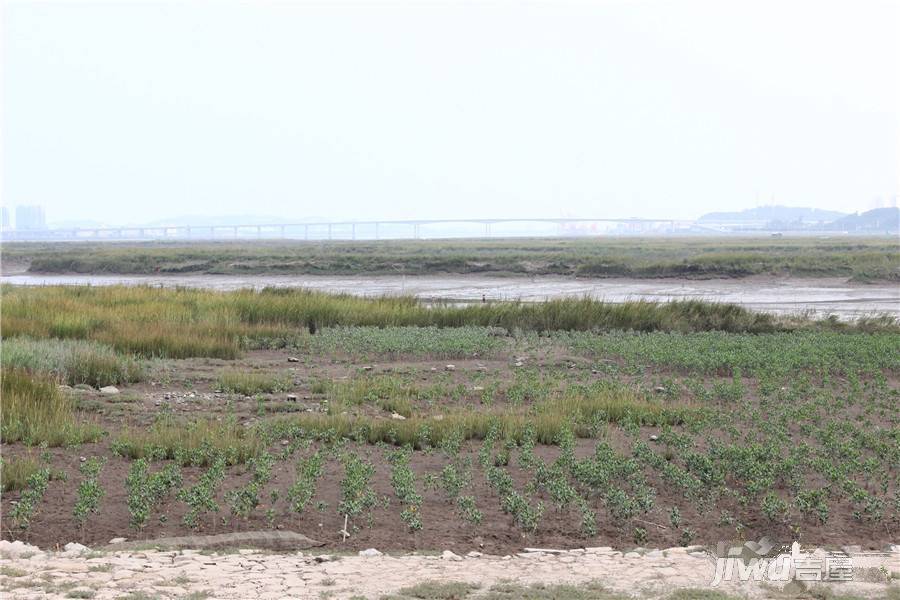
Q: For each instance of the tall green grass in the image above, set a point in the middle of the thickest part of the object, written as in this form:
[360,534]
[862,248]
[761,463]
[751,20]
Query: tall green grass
[34,411]
[195,443]
[584,414]
[71,361]
[180,323]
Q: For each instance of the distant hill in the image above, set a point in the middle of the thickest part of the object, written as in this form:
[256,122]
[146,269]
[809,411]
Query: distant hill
[879,219]
[769,214]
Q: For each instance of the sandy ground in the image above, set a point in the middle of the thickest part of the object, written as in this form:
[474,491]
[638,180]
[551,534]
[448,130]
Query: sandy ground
[820,296]
[251,574]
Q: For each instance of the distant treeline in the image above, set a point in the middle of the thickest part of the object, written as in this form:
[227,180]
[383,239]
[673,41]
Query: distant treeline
[862,259]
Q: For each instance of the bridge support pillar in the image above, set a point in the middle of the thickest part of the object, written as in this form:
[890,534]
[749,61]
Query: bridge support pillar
[306,232]
[376,230]
[353,231]
[487,230]
[329,231]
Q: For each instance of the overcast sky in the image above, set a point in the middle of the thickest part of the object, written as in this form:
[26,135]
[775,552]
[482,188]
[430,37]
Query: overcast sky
[128,112]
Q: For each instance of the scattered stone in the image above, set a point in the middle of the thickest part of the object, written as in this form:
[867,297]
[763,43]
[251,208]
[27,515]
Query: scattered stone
[293,359]
[109,389]
[17,548]
[654,438]
[284,442]
[327,557]
[292,397]
[519,363]
[433,369]
[64,387]
[369,552]
[122,574]
[632,555]
[474,554]
[82,459]
[398,417]
[450,368]
[478,388]
[654,554]
[448,555]
[84,387]
[118,540]
[438,417]
[367,368]
[659,389]
[894,548]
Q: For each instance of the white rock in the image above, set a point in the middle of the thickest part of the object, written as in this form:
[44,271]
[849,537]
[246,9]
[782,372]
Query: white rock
[398,417]
[448,555]
[367,368]
[17,548]
[546,550]
[292,397]
[632,555]
[75,548]
[654,554]
[118,540]
[109,389]
[474,554]
[369,552]
[293,359]
[519,363]
[450,368]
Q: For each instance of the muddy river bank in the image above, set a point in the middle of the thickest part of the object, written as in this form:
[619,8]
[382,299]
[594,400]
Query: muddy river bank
[820,296]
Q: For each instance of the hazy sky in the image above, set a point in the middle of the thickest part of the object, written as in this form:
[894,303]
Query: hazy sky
[127,112]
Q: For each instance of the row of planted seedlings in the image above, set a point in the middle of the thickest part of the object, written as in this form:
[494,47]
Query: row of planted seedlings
[747,458]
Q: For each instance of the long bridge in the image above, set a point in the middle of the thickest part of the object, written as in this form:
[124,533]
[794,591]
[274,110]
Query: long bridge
[344,230]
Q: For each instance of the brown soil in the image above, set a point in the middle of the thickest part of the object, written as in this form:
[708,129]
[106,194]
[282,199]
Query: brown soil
[172,384]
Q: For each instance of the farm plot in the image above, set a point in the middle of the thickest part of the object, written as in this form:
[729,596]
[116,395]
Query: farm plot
[462,437]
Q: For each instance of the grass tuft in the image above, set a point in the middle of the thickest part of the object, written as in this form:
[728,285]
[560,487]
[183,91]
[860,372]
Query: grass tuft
[36,412]
[71,361]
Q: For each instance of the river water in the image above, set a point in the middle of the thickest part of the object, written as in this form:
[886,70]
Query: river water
[820,296]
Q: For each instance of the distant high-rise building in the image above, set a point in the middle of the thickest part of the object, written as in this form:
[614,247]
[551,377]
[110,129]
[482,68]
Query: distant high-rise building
[30,218]
[4,217]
